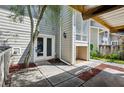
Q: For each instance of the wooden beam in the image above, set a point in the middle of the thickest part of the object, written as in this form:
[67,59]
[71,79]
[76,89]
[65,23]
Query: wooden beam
[79,8]
[100,10]
[119,27]
[102,22]
[120,30]
[95,12]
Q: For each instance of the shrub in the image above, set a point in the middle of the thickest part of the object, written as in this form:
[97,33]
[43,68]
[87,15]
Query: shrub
[91,47]
[95,54]
[99,54]
[107,56]
[114,56]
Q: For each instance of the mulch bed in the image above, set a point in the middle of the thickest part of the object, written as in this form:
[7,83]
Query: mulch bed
[94,71]
[56,62]
[17,67]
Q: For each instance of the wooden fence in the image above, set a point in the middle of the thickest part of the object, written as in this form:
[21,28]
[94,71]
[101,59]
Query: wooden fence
[109,49]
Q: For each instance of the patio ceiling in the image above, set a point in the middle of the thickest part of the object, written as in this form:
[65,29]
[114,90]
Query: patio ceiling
[110,16]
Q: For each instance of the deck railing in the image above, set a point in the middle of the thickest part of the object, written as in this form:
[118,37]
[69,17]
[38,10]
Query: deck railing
[5,54]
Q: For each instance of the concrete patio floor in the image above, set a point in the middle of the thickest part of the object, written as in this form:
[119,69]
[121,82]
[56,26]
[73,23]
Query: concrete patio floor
[62,75]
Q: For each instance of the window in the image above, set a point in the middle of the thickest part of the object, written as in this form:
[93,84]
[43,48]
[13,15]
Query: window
[40,46]
[114,42]
[81,27]
[79,23]
[105,38]
[49,47]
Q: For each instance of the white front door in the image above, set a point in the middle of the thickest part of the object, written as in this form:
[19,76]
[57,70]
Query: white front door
[44,47]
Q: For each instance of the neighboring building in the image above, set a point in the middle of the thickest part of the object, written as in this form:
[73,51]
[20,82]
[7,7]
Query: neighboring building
[104,41]
[99,35]
[66,40]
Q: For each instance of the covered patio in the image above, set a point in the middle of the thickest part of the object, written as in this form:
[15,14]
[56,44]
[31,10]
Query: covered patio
[93,73]
[110,16]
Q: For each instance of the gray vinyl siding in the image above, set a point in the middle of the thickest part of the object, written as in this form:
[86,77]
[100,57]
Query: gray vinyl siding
[66,26]
[93,23]
[49,27]
[14,34]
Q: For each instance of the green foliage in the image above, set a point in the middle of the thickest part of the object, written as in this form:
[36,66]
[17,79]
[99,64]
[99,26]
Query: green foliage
[114,56]
[95,53]
[18,9]
[19,12]
[106,56]
[91,47]
[52,14]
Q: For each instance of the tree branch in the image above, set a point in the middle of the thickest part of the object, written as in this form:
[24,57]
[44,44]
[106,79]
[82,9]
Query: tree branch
[38,22]
[31,18]
[40,16]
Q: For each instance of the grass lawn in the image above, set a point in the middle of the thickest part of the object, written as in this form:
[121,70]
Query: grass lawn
[109,60]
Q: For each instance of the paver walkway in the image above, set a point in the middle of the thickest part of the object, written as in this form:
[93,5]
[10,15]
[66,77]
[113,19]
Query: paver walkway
[48,74]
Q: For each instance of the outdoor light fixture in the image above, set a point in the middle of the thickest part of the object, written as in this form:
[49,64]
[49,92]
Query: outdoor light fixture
[65,34]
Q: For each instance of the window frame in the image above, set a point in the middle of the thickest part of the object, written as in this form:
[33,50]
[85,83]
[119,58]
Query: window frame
[114,41]
[81,31]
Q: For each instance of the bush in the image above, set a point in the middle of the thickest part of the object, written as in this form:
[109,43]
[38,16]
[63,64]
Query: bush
[91,47]
[114,56]
[95,54]
[107,56]
[99,54]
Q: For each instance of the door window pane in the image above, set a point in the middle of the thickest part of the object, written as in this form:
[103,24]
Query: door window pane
[49,47]
[39,46]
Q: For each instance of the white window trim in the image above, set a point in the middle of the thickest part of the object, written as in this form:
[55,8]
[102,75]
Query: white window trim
[115,41]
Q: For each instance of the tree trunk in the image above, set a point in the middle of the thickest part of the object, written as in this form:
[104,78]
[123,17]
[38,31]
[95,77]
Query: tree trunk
[33,35]
[27,59]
